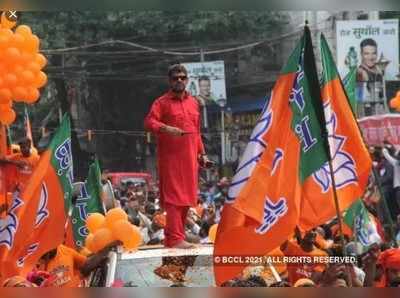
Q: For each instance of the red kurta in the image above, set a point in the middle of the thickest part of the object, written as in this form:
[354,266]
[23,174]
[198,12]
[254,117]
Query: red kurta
[177,155]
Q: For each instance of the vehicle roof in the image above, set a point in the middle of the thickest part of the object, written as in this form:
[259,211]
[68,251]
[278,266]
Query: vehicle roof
[138,267]
[129,174]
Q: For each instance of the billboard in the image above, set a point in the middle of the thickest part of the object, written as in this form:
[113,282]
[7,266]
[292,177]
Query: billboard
[207,81]
[372,46]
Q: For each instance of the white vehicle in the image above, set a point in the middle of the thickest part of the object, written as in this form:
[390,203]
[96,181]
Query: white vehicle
[136,269]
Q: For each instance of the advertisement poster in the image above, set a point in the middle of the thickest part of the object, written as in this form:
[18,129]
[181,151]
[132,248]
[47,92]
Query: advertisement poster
[207,81]
[372,47]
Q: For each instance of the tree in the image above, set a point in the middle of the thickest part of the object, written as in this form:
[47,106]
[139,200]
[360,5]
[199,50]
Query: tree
[117,82]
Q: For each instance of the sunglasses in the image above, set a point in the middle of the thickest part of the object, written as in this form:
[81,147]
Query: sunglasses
[176,78]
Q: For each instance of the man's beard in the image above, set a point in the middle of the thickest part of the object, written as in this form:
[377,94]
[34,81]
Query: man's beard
[178,88]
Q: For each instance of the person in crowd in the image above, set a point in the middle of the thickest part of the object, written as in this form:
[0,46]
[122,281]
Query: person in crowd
[304,246]
[67,266]
[19,282]
[175,119]
[22,165]
[395,162]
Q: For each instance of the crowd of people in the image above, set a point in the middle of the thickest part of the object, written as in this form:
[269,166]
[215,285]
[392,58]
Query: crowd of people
[377,265]
[145,211]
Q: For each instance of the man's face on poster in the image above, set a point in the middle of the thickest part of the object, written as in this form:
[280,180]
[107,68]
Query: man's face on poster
[369,56]
[205,88]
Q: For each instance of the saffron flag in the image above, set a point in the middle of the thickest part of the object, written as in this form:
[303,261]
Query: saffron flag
[362,224]
[285,149]
[36,221]
[351,161]
[89,201]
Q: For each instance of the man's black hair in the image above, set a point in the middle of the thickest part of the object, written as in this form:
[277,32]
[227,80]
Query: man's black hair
[204,78]
[368,42]
[150,209]
[176,68]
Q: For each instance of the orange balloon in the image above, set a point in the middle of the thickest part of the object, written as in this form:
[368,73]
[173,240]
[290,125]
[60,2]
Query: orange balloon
[8,117]
[392,102]
[3,69]
[12,55]
[10,80]
[89,242]
[5,95]
[32,43]
[5,107]
[212,232]
[20,93]
[32,95]
[5,23]
[24,30]
[135,239]
[17,40]
[6,32]
[40,60]
[395,102]
[27,77]
[113,215]
[16,69]
[1,82]
[94,222]
[26,58]
[4,42]
[101,238]
[129,234]
[33,66]
[40,79]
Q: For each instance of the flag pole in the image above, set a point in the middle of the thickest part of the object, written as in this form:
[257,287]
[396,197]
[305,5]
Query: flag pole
[325,137]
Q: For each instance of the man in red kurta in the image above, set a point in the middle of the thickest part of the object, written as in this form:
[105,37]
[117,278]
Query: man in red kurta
[175,119]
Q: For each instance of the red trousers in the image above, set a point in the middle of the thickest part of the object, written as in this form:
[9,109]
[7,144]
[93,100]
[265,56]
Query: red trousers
[174,230]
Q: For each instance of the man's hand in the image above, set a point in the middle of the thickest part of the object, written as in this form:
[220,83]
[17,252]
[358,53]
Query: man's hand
[172,130]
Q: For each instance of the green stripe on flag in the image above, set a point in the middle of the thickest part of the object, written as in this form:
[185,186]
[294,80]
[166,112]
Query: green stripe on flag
[89,201]
[306,105]
[61,159]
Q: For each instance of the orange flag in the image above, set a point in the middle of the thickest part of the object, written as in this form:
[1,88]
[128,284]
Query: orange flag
[36,221]
[285,148]
[350,158]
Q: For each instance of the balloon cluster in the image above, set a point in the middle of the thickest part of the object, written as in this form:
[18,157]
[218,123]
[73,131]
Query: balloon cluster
[20,68]
[395,102]
[106,229]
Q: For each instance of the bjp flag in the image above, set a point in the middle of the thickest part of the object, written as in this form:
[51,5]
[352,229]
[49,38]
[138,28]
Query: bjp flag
[285,149]
[351,161]
[36,221]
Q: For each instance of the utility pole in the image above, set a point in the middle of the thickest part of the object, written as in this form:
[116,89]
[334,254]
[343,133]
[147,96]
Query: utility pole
[204,108]
[205,119]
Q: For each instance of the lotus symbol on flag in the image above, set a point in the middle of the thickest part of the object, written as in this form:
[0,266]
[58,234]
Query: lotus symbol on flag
[254,150]
[342,162]
[9,225]
[32,248]
[42,212]
[272,212]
